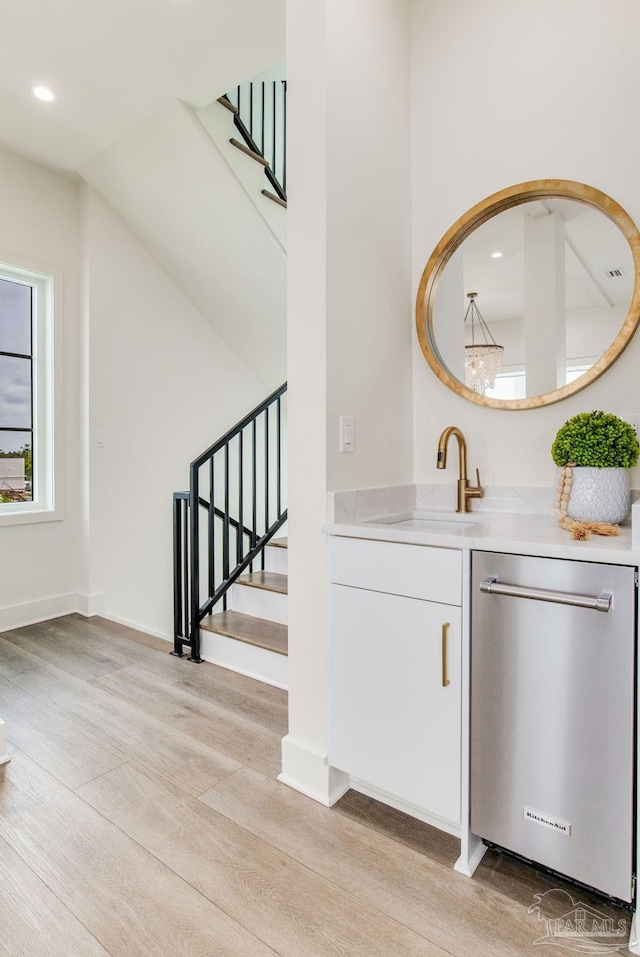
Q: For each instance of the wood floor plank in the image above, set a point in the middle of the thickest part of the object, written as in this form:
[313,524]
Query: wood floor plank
[231,734]
[101,637]
[443,847]
[117,628]
[33,921]
[292,910]
[15,660]
[263,705]
[48,641]
[176,756]
[459,914]
[314,880]
[133,904]
[71,753]
[234,692]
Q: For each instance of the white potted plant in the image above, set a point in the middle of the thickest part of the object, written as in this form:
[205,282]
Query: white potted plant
[595,451]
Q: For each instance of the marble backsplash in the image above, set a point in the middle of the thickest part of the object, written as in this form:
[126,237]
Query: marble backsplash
[361,505]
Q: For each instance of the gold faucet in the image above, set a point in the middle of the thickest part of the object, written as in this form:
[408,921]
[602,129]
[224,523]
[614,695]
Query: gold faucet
[465,491]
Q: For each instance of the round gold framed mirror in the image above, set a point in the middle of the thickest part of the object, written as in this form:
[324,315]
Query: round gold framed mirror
[531,295]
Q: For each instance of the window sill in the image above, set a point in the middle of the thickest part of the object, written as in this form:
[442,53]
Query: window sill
[27,516]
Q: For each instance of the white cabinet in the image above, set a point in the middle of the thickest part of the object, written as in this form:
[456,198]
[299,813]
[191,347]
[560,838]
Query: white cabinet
[394,671]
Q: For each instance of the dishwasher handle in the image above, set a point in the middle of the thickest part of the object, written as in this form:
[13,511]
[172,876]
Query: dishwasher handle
[601,602]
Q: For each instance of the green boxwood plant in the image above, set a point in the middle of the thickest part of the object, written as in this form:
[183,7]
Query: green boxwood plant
[596,439]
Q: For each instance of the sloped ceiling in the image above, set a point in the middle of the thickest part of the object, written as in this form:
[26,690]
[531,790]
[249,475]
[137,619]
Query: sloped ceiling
[171,185]
[114,63]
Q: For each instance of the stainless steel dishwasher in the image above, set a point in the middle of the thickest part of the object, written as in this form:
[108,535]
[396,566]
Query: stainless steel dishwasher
[553,714]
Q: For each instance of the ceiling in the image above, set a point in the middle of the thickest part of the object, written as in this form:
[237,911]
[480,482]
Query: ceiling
[594,247]
[114,63]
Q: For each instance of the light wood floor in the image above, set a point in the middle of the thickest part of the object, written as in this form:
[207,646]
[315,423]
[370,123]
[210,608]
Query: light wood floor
[140,816]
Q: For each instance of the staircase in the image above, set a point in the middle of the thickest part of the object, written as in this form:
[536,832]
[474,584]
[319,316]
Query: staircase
[260,116]
[251,635]
[230,569]
[248,128]
[225,549]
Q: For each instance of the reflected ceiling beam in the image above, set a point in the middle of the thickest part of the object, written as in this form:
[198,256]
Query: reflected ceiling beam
[580,272]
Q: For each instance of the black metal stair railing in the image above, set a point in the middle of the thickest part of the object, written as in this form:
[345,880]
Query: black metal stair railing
[234,506]
[261,120]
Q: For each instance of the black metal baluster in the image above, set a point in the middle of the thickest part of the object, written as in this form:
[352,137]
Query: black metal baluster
[225,536]
[186,591]
[240,533]
[262,118]
[178,595]
[211,529]
[254,491]
[284,135]
[194,505]
[266,476]
[279,457]
[273,133]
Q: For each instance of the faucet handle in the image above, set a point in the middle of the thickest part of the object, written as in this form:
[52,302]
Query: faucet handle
[476,491]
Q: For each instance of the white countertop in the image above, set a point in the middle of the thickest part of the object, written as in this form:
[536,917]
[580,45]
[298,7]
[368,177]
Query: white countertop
[497,532]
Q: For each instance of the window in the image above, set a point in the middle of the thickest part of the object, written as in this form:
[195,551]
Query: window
[26,396]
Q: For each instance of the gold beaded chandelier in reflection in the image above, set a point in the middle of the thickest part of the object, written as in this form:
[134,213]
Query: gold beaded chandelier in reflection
[482,361]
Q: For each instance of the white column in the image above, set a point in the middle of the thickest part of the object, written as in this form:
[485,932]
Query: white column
[544,303]
[349,313]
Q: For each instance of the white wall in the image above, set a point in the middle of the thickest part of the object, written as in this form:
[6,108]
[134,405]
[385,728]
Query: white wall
[40,222]
[171,185]
[506,92]
[163,386]
[349,328]
[369,305]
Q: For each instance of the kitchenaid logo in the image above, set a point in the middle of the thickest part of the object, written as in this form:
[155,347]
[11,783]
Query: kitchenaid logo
[555,823]
[576,926]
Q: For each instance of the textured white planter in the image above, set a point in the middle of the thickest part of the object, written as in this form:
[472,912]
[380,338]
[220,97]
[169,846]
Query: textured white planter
[599,495]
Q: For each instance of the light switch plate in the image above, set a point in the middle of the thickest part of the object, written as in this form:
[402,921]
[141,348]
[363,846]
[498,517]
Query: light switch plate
[347,433]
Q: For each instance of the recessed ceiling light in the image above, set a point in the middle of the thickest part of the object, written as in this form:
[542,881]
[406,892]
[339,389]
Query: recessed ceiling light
[496,255]
[44,93]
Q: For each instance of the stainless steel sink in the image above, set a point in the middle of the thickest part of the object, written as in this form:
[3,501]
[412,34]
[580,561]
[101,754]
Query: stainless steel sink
[436,521]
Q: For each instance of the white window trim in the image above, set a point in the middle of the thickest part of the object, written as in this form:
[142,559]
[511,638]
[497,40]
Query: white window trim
[48,416]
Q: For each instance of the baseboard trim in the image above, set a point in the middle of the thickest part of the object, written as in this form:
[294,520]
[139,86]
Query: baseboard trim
[307,770]
[32,612]
[406,807]
[90,605]
[137,627]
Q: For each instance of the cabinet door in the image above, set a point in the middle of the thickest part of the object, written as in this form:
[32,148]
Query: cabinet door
[392,721]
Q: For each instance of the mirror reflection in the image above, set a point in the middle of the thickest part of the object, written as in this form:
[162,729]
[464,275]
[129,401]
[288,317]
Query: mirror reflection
[553,280]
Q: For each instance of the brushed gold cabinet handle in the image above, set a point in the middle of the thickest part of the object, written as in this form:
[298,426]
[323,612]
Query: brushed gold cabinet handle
[445,679]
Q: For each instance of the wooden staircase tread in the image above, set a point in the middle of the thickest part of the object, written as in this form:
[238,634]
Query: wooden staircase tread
[273,197]
[226,102]
[279,542]
[249,152]
[253,631]
[270,581]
